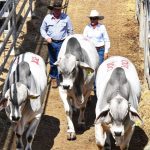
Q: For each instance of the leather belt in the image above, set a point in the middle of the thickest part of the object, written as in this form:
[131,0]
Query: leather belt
[57,41]
[98,48]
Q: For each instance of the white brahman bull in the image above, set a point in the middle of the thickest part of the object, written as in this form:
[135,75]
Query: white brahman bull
[77,63]
[23,94]
[118,92]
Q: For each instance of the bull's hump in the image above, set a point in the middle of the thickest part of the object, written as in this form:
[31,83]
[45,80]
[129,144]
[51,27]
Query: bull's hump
[118,76]
[118,83]
[74,48]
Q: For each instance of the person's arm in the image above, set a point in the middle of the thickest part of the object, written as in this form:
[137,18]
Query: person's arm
[69,27]
[107,42]
[85,32]
[43,30]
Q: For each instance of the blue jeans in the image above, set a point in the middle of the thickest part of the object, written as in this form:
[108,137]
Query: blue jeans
[101,54]
[53,50]
[101,59]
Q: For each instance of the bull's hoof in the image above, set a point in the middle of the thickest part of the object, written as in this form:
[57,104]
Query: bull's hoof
[100,147]
[126,148]
[81,127]
[71,136]
[19,146]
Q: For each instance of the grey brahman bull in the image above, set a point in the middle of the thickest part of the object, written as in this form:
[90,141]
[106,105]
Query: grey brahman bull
[118,92]
[23,94]
[77,63]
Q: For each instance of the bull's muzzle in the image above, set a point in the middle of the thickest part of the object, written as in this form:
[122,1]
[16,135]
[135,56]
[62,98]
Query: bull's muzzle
[14,118]
[66,87]
[117,134]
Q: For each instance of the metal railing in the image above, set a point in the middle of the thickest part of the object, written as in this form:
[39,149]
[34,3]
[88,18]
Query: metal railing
[5,7]
[143,16]
[13,31]
[66,4]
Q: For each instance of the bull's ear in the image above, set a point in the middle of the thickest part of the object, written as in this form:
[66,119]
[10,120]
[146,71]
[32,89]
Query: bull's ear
[134,116]
[3,103]
[104,116]
[32,95]
[86,67]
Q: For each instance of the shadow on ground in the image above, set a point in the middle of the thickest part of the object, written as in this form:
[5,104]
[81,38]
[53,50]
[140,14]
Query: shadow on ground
[46,133]
[89,115]
[4,127]
[138,141]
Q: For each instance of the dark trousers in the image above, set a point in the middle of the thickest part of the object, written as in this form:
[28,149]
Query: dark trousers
[53,50]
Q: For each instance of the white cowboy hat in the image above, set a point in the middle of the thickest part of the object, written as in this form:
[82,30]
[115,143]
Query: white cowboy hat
[95,13]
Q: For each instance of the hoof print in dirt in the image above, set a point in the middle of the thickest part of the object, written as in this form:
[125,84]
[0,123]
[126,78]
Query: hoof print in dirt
[71,136]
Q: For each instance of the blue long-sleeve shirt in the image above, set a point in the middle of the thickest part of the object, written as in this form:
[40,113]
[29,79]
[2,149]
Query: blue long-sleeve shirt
[57,29]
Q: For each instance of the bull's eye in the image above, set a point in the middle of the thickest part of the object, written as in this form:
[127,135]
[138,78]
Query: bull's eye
[111,116]
[125,118]
[10,99]
[24,101]
[73,71]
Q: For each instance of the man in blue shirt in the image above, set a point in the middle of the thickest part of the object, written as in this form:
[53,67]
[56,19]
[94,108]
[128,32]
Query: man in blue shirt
[55,27]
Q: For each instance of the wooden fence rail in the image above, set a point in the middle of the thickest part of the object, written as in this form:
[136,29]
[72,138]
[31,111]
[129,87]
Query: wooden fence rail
[143,17]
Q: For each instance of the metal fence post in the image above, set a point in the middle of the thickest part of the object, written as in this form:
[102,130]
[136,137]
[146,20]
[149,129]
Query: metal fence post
[14,2]
[30,5]
[66,4]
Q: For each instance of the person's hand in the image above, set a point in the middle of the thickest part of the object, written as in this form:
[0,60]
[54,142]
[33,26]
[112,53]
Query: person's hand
[106,55]
[49,40]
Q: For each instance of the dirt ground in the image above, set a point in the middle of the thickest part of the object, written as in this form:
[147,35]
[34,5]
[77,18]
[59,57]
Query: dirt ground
[124,35]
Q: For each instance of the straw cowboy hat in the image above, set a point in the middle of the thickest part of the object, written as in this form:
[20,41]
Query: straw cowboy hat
[57,4]
[95,13]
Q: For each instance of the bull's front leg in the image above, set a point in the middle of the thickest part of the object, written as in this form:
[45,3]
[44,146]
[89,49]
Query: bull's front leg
[81,119]
[19,129]
[127,138]
[31,132]
[100,136]
[71,135]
